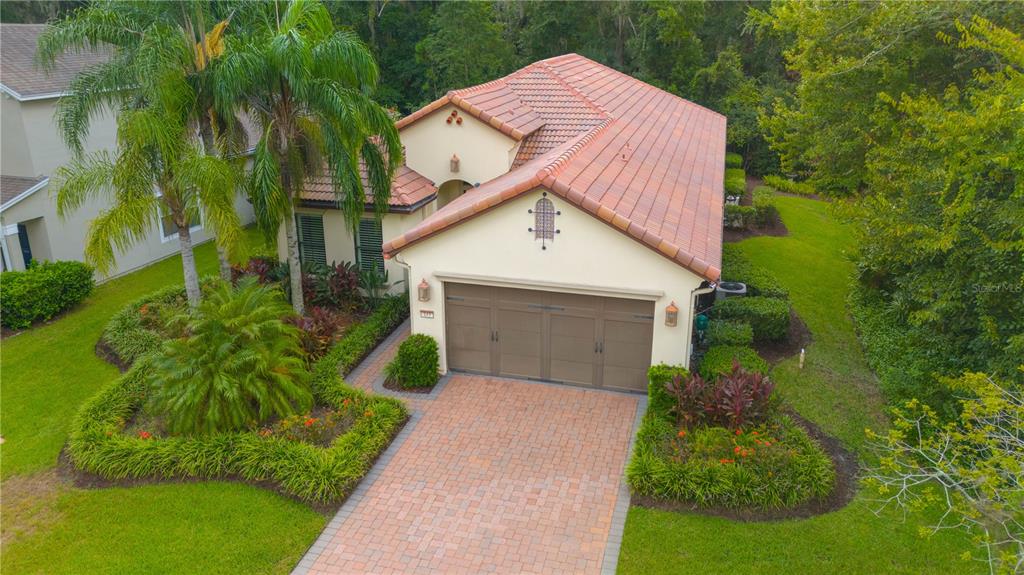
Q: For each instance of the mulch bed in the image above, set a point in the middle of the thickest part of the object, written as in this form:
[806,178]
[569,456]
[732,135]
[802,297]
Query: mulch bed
[107,354]
[799,337]
[388,384]
[778,230]
[844,462]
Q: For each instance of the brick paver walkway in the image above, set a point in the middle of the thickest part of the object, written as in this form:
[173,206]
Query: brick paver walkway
[494,476]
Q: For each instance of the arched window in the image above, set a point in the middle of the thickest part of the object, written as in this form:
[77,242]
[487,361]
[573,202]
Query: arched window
[544,220]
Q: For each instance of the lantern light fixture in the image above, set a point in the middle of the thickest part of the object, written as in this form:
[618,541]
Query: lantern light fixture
[423,290]
[671,314]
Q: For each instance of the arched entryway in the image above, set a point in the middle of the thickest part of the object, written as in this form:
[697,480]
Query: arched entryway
[450,190]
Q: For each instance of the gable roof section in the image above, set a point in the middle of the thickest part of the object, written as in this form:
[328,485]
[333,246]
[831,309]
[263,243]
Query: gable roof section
[652,167]
[13,189]
[493,103]
[409,190]
[19,75]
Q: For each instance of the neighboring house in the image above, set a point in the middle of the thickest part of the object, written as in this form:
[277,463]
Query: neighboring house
[32,150]
[576,218]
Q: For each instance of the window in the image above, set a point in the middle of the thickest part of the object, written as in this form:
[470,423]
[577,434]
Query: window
[169,231]
[312,249]
[544,220]
[370,246]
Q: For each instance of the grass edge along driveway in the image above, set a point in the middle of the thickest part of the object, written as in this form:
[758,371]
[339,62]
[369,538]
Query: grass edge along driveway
[835,389]
[48,527]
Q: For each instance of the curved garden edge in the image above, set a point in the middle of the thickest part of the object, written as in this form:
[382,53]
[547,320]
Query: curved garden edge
[348,359]
[846,468]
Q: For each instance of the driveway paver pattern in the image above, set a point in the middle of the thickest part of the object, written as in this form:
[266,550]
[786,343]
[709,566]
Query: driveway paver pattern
[496,476]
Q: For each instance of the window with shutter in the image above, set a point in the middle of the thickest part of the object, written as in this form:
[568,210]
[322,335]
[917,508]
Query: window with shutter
[370,245]
[312,249]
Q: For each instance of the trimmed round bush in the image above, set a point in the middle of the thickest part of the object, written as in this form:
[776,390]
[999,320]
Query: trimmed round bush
[719,358]
[42,291]
[735,182]
[769,317]
[416,364]
[737,268]
[733,160]
[729,332]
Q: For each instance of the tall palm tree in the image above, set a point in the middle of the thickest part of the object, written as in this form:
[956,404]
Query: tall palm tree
[158,169]
[308,87]
[154,57]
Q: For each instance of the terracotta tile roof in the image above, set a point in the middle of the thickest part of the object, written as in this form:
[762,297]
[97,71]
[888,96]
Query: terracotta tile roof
[408,188]
[13,186]
[19,74]
[652,168]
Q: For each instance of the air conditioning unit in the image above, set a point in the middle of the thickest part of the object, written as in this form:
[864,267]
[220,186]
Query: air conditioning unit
[730,289]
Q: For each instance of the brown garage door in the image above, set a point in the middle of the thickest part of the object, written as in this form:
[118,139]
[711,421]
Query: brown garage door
[579,339]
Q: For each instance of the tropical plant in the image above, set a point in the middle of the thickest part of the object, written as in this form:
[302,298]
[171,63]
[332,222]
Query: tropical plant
[240,364]
[376,285]
[145,82]
[733,400]
[308,87]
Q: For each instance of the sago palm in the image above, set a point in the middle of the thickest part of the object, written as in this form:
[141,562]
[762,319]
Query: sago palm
[153,65]
[240,365]
[308,87]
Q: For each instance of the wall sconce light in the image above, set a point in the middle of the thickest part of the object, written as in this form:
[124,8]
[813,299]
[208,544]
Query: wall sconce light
[423,290]
[671,315]
[454,162]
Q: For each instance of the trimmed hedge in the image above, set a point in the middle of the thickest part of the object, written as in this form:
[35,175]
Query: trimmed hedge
[765,212]
[718,360]
[735,182]
[125,333]
[42,291]
[760,282]
[792,472]
[769,317]
[733,160]
[416,364]
[739,217]
[305,471]
[722,332]
[789,186]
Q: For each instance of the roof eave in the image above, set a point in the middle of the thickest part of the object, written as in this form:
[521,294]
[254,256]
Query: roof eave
[33,189]
[392,208]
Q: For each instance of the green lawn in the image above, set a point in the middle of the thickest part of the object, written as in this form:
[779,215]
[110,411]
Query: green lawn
[837,390]
[47,372]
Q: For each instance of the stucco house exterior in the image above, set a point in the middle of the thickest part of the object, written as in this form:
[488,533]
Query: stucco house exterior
[32,150]
[556,224]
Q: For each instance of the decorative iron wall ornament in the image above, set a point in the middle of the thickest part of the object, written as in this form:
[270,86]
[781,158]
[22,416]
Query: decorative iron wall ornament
[544,221]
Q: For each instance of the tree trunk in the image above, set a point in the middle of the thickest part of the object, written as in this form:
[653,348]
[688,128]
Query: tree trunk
[188,264]
[294,265]
[206,132]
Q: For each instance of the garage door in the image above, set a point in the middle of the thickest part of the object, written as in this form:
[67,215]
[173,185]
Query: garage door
[586,340]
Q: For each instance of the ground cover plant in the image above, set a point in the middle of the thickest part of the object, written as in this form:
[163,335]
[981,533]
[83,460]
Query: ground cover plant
[103,443]
[724,443]
[42,291]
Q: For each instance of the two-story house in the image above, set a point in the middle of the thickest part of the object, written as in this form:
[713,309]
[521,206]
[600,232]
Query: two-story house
[556,224]
[31,149]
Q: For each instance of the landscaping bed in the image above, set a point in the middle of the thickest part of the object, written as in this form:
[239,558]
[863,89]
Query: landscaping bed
[317,456]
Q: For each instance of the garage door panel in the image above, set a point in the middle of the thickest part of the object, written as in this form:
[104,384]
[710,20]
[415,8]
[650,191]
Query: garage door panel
[572,348]
[469,338]
[627,354]
[520,343]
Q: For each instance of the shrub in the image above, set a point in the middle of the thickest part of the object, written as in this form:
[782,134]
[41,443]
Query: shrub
[416,363]
[240,364]
[734,399]
[765,212]
[769,317]
[735,182]
[771,465]
[319,329]
[42,291]
[789,186]
[721,332]
[719,360]
[760,282]
[298,468]
[733,160]
[739,217]
[265,269]
[336,285]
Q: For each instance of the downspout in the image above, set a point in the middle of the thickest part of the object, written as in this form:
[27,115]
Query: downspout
[705,287]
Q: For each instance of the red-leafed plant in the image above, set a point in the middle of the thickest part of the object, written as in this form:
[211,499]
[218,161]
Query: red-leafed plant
[320,329]
[734,400]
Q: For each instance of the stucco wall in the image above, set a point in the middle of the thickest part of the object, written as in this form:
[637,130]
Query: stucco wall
[66,239]
[588,256]
[15,157]
[484,153]
[30,133]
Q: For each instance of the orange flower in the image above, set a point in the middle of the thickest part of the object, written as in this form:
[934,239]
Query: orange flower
[725,460]
[737,449]
[768,443]
[367,413]
[310,421]
[682,433]
[145,435]
[739,432]
[753,433]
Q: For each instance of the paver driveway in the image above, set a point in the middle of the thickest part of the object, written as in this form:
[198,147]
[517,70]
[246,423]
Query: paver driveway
[494,475]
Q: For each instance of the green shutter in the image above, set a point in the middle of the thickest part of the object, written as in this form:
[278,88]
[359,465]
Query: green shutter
[311,238]
[370,245]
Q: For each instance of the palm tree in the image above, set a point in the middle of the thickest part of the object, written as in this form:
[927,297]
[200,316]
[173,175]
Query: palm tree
[155,61]
[158,170]
[308,87]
